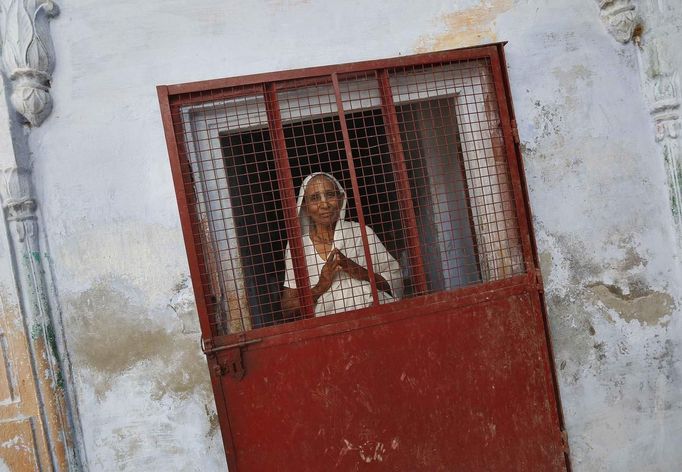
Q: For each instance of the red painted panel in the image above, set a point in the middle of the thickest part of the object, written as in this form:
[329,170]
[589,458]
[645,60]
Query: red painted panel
[466,390]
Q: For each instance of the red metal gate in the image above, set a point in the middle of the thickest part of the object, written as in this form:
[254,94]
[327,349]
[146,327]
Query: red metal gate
[426,348]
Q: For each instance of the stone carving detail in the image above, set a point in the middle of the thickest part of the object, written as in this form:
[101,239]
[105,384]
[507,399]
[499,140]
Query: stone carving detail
[661,82]
[664,95]
[664,98]
[20,208]
[620,18]
[28,56]
[665,110]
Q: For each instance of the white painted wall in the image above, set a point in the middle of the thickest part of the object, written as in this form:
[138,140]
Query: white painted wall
[597,187]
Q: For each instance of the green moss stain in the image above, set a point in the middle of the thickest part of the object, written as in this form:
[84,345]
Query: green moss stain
[52,340]
[47,334]
[42,328]
[36,331]
[674,178]
[59,380]
[677,187]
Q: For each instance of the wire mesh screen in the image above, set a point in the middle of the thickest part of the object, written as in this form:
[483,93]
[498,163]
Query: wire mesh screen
[319,196]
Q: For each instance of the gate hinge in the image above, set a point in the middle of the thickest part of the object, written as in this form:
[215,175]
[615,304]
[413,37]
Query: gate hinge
[227,360]
[515,132]
[564,441]
[539,284]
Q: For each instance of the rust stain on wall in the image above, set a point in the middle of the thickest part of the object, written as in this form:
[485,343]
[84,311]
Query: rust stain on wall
[466,27]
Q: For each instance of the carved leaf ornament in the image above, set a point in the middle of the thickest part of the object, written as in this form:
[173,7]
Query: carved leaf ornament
[28,55]
[620,18]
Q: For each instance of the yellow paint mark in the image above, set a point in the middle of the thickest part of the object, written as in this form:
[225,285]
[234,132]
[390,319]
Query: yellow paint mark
[468,27]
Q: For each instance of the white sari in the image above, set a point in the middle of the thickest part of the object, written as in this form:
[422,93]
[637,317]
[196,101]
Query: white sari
[345,293]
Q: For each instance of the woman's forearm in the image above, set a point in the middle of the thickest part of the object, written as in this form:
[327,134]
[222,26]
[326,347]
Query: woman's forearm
[317,292]
[291,303]
[358,272]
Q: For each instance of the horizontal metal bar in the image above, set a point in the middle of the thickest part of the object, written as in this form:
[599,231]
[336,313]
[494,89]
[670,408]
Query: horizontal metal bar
[453,300]
[485,50]
[228,346]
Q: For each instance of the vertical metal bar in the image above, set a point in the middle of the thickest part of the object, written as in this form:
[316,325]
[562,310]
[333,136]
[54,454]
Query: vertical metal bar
[400,168]
[354,183]
[517,157]
[286,186]
[469,198]
[223,413]
[505,122]
[185,196]
[540,300]
[191,232]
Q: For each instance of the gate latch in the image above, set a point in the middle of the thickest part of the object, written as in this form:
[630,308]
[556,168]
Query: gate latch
[230,361]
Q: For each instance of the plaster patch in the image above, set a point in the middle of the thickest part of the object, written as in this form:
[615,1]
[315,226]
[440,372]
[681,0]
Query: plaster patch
[466,27]
[570,81]
[111,334]
[182,303]
[546,264]
[213,421]
[146,255]
[647,306]
[549,122]
[632,260]
[573,334]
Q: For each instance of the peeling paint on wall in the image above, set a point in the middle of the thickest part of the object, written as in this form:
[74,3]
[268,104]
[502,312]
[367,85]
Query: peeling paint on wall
[598,197]
[647,306]
[465,27]
[113,334]
[142,373]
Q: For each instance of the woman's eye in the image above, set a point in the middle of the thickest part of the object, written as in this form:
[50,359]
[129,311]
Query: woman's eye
[329,195]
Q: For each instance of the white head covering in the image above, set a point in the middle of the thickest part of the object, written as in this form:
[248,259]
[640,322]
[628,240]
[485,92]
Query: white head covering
[304,218]
[346,292]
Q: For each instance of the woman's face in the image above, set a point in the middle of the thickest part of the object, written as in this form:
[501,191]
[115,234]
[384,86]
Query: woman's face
[322,201]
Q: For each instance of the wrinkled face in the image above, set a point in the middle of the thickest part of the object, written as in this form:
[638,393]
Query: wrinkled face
[322,201]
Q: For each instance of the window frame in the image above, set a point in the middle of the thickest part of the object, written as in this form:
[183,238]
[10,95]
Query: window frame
[174,97]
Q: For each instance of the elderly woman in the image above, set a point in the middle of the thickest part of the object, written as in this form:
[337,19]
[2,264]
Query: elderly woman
[335,256]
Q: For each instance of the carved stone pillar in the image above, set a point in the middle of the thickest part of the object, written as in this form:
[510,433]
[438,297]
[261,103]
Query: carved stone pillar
[646,25]
[45,402]
[28,55]
[664,96]
[37,414]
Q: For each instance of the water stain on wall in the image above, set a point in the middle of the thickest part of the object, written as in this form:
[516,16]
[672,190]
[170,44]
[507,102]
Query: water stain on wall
[465,27]
[576,288]
[110,334]
[641,304]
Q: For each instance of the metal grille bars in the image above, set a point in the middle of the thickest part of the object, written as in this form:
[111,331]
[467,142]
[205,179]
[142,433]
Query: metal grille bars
[417,196]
